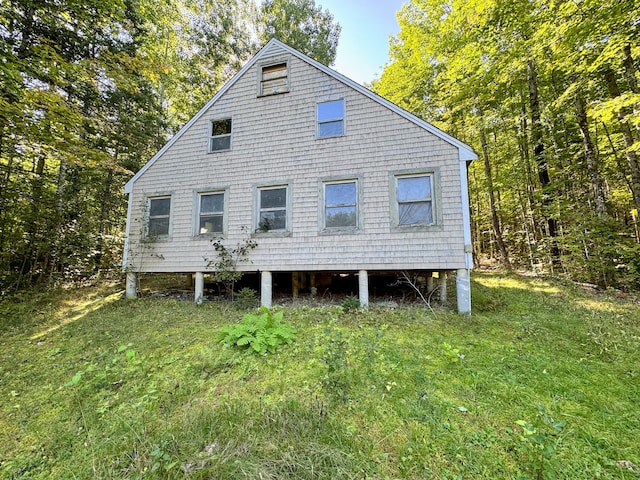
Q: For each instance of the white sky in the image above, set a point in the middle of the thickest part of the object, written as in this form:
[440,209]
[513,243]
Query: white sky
[364,42]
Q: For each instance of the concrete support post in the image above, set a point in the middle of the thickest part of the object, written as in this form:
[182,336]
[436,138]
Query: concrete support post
[266,285]
[463,290]
[363,288]
[442,284]
[199,291]
[131,285]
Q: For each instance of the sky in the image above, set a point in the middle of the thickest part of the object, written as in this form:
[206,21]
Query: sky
[364,42]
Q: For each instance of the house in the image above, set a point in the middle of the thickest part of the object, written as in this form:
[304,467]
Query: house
[323,174]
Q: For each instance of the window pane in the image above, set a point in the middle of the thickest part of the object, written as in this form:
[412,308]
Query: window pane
[274,71]
[417,213]
[340,194]
[279,85]
[330,110]
[273,198]
[221,143]
[159,206]
[211,224]
[221,127]
[331,129]
[414,188]
[274,220]
[211,203]
[158,226]
[340,217]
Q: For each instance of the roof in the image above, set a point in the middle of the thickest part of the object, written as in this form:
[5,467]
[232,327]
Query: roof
[274,47]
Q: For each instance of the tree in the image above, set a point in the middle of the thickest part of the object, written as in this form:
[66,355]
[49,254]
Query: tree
[302,25]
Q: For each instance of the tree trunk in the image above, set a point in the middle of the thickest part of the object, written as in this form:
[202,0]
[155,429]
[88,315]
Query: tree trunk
[590,156]
[541,161]
[504,256]
[632,158]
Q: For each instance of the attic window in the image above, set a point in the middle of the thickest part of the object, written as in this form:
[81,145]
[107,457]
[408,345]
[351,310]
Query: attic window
[220,135]
[274,79]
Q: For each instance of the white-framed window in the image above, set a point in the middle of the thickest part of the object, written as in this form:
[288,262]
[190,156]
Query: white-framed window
[273,206]
[159,218]
[274,78]
[330,119]
[414,199]
[211,213]
[340,205]
[220,135]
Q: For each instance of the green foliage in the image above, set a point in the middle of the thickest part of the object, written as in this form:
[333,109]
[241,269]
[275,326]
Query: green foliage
[336,380]
[547,94]
[395,407]
[350,304]
[247,297]
[226,263]
[452,354]
[260,333]
[541,443]
[303,25]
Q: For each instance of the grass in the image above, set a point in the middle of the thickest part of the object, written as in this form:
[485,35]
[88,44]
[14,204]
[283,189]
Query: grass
[94,386]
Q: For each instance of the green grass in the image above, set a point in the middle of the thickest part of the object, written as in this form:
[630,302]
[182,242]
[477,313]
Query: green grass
[93,386]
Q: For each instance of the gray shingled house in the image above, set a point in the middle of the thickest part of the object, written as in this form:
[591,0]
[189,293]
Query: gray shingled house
[326,176]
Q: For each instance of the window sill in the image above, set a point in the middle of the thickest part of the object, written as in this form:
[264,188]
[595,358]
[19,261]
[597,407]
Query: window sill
[416,228]
[340,231]
[271,233]
[262,95]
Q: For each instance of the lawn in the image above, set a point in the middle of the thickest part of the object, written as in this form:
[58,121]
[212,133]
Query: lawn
[541,381]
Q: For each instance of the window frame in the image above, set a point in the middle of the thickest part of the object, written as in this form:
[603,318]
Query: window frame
[149,217]
[322,205]
[286,231]
[212,136]
[262,82]
[342,119]
[436,199]
[198,194]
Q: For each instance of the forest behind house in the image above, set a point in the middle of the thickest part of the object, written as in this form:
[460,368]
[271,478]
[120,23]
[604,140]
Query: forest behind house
[546,93]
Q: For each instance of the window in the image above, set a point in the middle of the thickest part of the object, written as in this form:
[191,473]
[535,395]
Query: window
[414,195]
[341,205]
[159,215]
[220,135]
[330,116]
[274,79]
[211,213]
[272,208]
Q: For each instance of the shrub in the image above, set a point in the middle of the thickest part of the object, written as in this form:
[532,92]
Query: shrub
[261,333]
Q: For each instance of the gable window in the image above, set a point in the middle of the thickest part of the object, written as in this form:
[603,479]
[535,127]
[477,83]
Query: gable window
[274,79]
[220,135]
[414,195]
[272,208]
[330,118]
[159,216]
[341,205]
[211,213]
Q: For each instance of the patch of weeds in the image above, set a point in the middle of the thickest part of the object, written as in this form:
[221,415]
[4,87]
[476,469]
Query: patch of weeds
[261,333]
[336,380]
[246,298]
[541,441]
[452,354]
[350,304]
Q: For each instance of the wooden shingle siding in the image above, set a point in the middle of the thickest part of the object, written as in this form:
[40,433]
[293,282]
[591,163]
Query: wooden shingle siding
[274,141]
